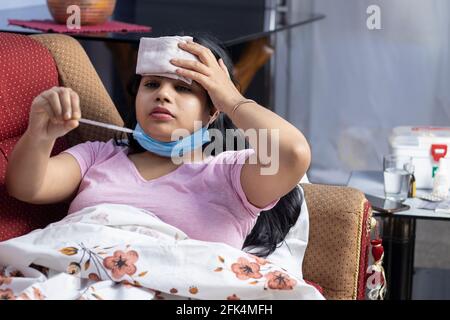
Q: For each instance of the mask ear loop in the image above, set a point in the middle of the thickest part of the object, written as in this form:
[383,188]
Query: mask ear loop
[213,117]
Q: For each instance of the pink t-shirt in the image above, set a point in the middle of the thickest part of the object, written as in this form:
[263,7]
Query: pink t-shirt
[203,199]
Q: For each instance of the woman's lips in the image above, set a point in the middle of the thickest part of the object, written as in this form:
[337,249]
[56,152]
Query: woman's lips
[161,116]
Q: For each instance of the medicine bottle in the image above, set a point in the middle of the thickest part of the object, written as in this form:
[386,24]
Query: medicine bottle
[441,182]
[412,185]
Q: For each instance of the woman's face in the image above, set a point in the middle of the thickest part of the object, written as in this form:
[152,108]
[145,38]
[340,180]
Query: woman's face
[186,103]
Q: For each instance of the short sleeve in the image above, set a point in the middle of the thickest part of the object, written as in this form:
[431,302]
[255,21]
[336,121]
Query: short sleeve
[235,176]
[86,154]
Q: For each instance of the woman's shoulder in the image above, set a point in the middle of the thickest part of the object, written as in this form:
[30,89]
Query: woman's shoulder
[98,149]
[104,146]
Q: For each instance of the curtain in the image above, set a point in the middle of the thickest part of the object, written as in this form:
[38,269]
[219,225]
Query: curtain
[349,86]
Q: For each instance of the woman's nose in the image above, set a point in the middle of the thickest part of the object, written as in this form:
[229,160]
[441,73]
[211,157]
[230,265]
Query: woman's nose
[163,93]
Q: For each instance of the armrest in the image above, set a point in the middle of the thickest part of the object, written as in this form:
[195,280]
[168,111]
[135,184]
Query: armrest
[339,238]
[77,72]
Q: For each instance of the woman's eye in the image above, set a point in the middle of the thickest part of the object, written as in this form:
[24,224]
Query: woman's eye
[152,84]
[183,89]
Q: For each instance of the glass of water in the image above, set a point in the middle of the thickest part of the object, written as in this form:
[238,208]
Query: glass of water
[397,171]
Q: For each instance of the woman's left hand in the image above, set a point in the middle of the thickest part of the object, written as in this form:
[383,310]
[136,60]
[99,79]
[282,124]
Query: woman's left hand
[210,74]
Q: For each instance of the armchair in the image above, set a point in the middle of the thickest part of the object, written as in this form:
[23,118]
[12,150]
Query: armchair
[337,253]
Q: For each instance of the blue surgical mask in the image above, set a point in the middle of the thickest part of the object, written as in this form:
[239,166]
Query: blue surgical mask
[173,148]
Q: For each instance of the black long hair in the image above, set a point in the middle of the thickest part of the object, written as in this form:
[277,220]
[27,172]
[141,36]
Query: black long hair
[271,226]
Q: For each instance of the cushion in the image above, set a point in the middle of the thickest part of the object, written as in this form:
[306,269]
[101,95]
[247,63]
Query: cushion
[16,217]
[339,233]
[27,65]
[77,72]
[26,69]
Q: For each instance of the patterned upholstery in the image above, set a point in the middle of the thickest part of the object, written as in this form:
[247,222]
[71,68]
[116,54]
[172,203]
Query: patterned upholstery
[337,253]
[28,66]
[77,72]
[26,69]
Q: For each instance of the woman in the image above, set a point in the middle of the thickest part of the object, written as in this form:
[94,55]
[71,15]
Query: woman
[218,198]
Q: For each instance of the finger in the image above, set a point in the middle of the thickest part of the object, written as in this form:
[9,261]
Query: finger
[207,50]
[43,104]
[71,124]
[224,67]
[192,65]
[66,108]
[76,110]
[49,111]
[53,100]
[196,76]
[204,54]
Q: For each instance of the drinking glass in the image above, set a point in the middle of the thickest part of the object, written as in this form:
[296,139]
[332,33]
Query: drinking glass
[397,171]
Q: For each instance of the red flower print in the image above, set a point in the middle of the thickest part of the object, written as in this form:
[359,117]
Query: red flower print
[24,296]
[280,281]
[121,263]
[245,269]
[7,294]
[38,294]
[260,261]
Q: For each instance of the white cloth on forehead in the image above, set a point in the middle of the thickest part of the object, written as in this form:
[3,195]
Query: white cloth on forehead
[155,53]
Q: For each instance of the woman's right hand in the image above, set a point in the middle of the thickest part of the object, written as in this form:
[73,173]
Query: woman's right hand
[54,113]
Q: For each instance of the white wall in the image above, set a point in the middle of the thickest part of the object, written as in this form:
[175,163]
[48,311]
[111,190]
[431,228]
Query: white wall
[349,86]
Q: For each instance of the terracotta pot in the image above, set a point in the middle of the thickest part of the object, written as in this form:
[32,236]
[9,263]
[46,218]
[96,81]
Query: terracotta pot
[91,11]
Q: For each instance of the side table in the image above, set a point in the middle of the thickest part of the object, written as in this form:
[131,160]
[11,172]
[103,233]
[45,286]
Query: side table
[398,232]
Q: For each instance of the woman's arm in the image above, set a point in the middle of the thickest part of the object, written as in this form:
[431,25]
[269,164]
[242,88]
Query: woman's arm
[31,174]
[282,154]
[35,177]
[261,183]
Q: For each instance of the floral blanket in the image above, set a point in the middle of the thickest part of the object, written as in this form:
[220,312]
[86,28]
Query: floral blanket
[114,251]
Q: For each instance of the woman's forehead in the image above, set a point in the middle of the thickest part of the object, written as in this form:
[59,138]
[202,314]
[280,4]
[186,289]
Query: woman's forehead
[174,81]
